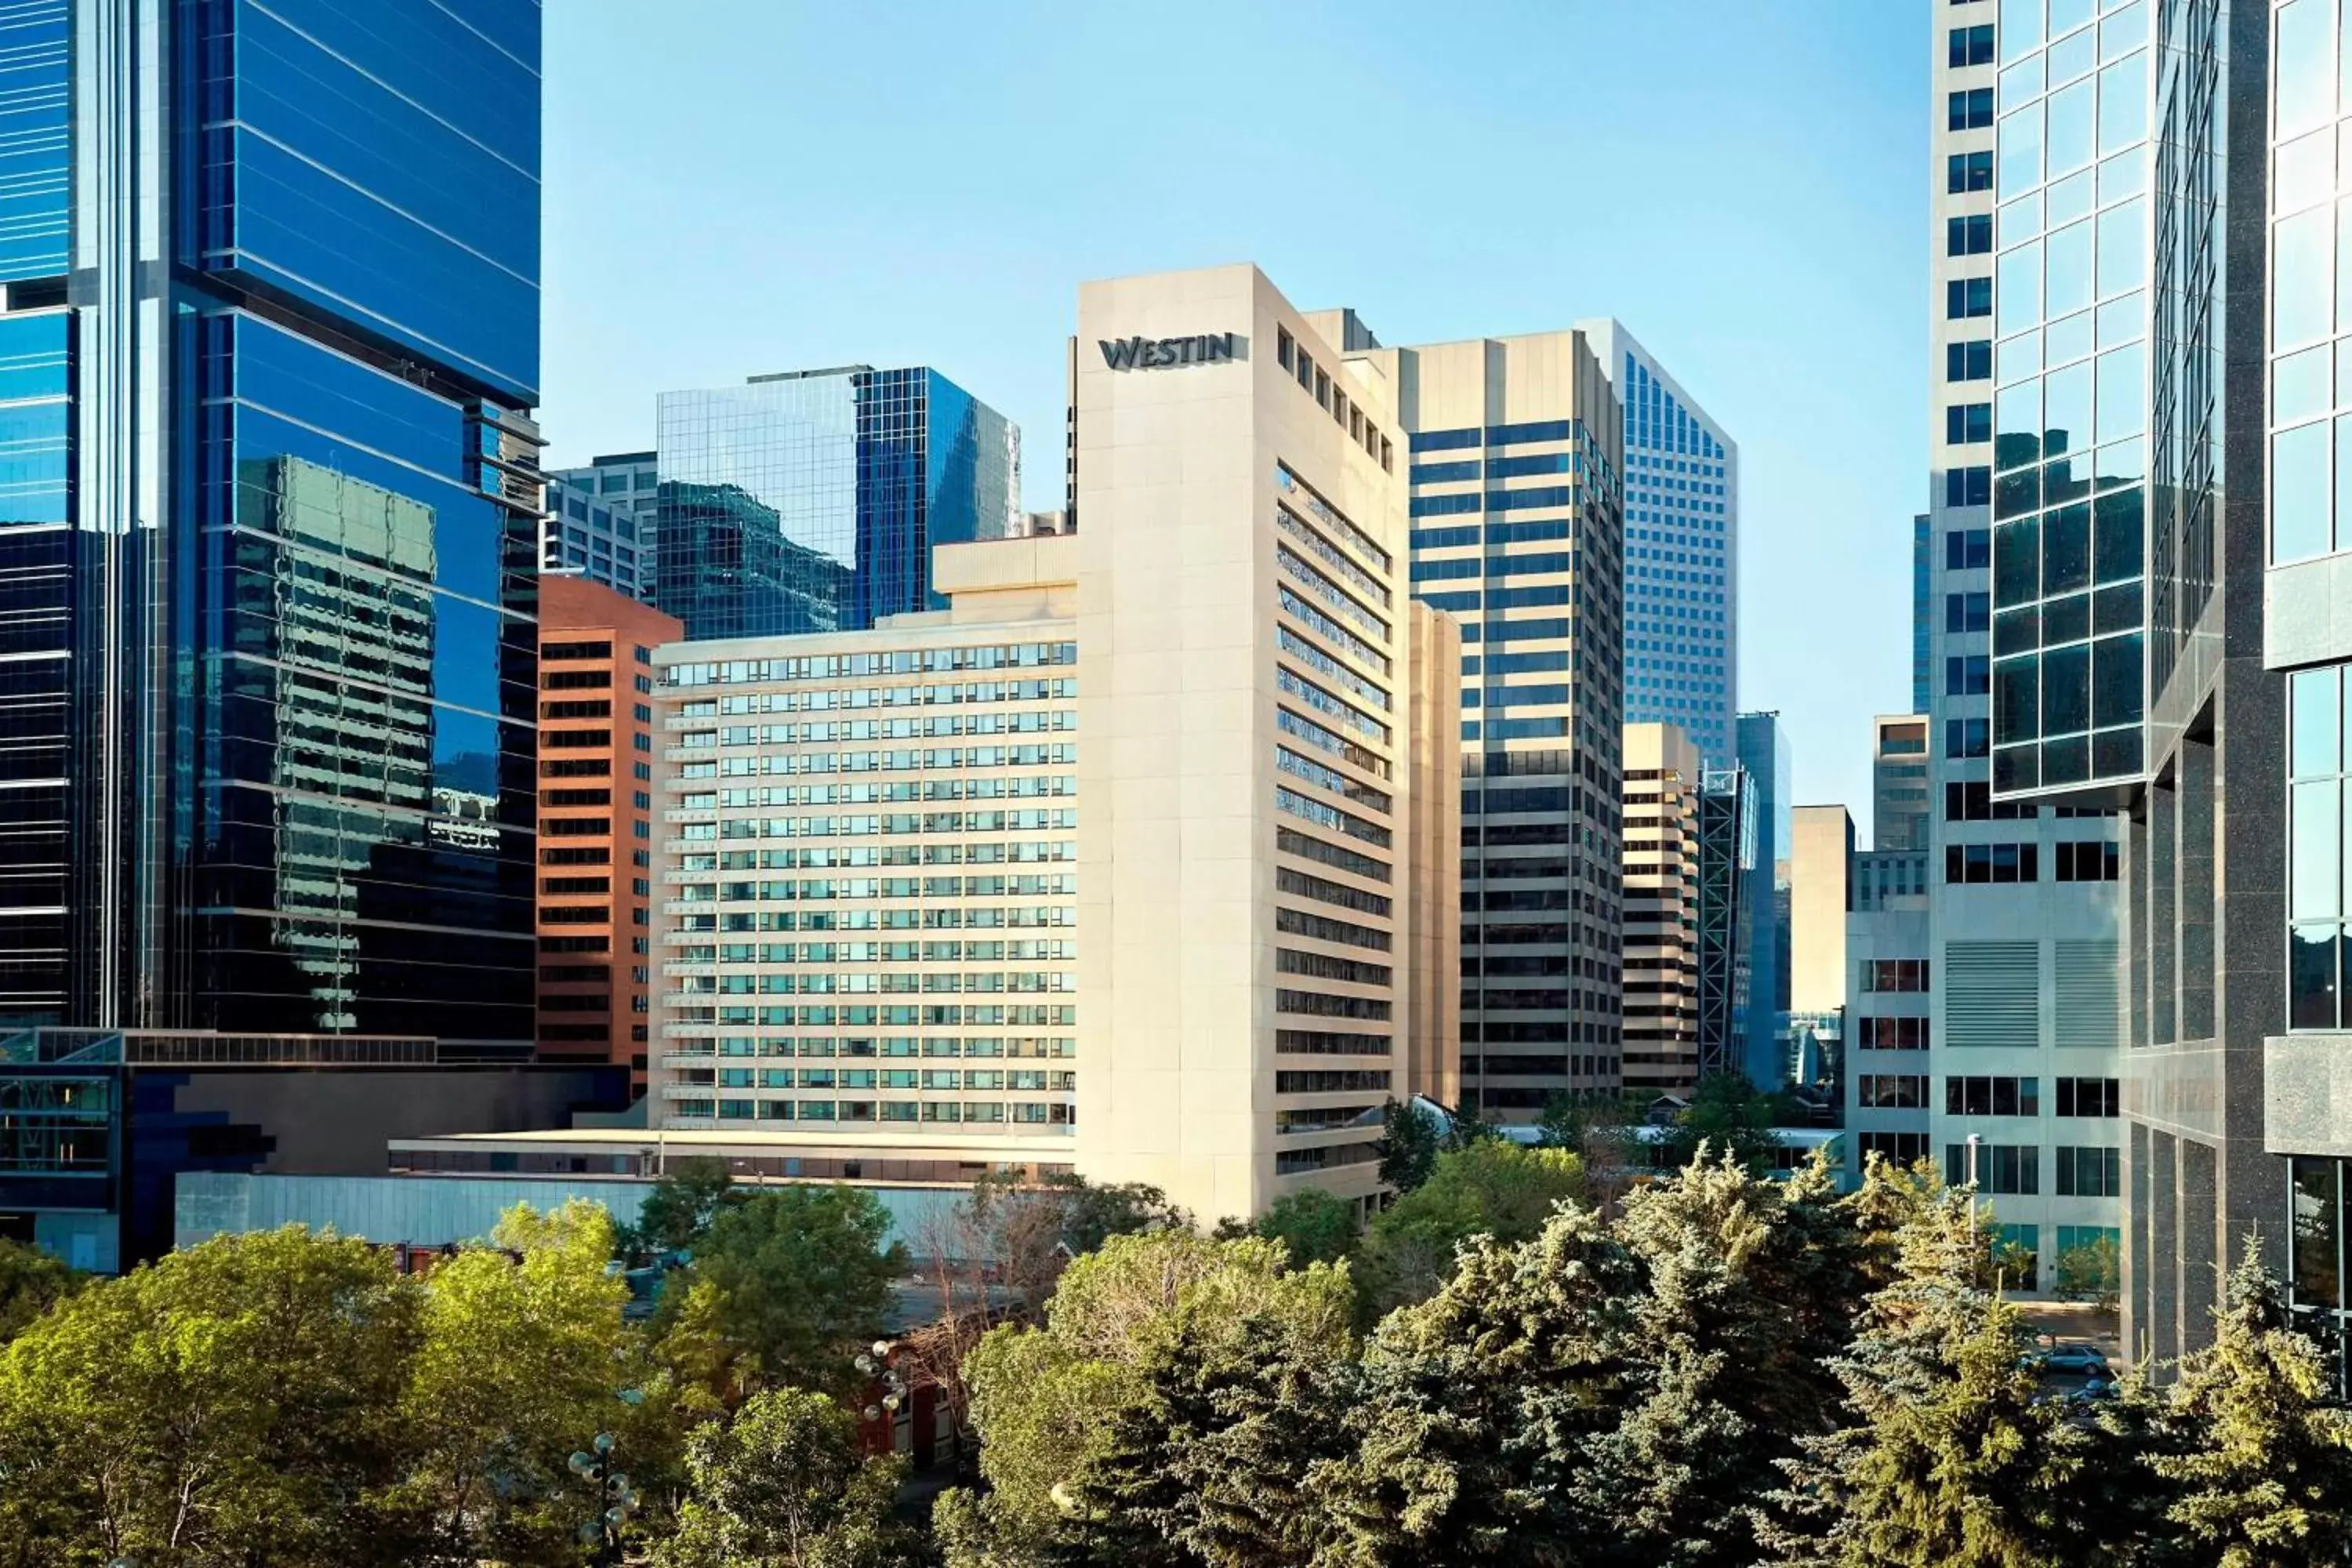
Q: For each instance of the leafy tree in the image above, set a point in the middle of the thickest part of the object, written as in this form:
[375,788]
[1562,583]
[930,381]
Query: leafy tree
[784,1289]
[521,1365]
[1408,1145]
[785,1486]
[1947,1456]
[238,1401]
[679,1211]
[1313,1224]
[1728,1115]
[2260,1466]
[2092,1272]
[31,1282]
[1075,1416]
[1492,1187]
[1094,1212]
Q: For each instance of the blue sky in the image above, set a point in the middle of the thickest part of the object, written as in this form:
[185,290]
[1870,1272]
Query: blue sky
[750,185]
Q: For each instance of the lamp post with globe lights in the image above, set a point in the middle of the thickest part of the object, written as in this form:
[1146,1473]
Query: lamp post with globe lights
[616,1501]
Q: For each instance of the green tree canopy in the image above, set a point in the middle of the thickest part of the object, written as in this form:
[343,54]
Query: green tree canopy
[239,1401]
[1075,1439]
[784,1485]
[1728,1115]
[678,1212]
[2258,1459]
[31,1282]
[1315,1227]
[1491,1187]
[784,1289]
[1409,1142]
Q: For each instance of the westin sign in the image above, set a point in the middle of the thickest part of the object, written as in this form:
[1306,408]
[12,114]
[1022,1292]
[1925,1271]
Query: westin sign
[1158,354]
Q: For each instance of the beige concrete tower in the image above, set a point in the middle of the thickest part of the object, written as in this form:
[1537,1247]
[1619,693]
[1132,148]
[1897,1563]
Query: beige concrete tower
[1245,890]
[1661,899]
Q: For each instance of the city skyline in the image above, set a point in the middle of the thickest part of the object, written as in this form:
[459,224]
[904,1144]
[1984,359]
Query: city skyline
[974,275]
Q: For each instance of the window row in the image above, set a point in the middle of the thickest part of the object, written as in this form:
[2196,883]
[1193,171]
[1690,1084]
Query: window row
[856,698]
[902,661]
[893,1046]
[984,1112]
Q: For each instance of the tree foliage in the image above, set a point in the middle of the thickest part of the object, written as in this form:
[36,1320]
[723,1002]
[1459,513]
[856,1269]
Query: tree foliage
[1492,1187]
[1728,1115]
[783,1485]
[784,1286]
[2260,1463]
[1311,1224]
[1409,1142]
[31,1282]
[679,1210]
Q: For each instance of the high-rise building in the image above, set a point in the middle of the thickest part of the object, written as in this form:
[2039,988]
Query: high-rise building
[1663,775]
[1821,896]
[810,500]
[627,486]
[271,322]
[1923,591]
[1518,528]
[1899,788]
[586,537]
[2040,318]
[1682,550]
[1762,1021]
[1726,881]
[596,766]
[1888,1024]
[1114,862]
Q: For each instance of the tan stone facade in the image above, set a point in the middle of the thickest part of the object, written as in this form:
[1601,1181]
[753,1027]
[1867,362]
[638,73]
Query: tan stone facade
[1662,853]
[1198,869]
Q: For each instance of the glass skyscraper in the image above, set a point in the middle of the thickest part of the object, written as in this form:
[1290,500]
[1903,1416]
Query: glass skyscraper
[1760,1014]
[1682,551]
[270,333]
[810,500]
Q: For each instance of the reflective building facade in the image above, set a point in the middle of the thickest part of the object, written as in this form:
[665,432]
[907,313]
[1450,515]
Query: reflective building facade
[270,519]
[2069,421]
[1518,530]
[810,500]
[1762,1010]
[1682,550]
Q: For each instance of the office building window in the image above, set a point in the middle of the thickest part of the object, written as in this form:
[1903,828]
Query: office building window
[1969,236]
[1891,1034]
[1966,737]
[2316,795]
[1968,675]
[1971,109]
[1891,1092]
[1968,549]
[2096,861]
[2006,1169]
[1967,613]
[1895,974]
[1969,46]
[2089,1096]
[1965,172]
[1967,486]
[1991,862]
[1968,361]
[2089,1172]
[1993,1097]
[1966,298]
[1967,422]
[1896,1148]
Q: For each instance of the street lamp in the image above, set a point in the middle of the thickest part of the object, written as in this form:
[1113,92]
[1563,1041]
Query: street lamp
[879,1361]
[616,1499]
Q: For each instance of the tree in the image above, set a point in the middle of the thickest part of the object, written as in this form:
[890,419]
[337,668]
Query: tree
[235,1401]
[1948,1456]
[783,1486]
[1475,1407]
[1728,1115]
[521,1365]
[1492,1187]
[1597,1128]
[1311,1224]
[1079,1444]
[679,1211]
[31,1282]
[2260,1466]
[784,1288]
[2092,1271]
[1408,1145]
[1094,1212]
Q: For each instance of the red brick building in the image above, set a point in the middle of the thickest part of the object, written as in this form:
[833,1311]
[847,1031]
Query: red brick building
[596,754]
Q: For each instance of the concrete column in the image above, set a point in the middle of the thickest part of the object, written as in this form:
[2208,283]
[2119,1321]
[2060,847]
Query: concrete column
[2194,952]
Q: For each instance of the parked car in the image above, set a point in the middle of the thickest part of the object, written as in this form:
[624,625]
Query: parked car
[2084,1360]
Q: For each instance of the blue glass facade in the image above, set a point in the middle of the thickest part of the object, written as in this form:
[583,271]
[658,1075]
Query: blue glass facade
[1760,1014]
[268,503]
[1682,553]
[810,501]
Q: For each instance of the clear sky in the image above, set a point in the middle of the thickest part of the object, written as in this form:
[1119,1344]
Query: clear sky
[735,187]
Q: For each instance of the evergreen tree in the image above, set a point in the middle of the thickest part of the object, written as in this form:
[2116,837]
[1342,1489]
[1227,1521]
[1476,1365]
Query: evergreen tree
[2260,1467]
[1948,1459]
[783,1486]
[1491,1187]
